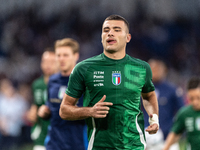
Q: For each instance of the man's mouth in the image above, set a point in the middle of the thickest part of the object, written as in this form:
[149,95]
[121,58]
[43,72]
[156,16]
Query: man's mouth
[111,41]
[62,64]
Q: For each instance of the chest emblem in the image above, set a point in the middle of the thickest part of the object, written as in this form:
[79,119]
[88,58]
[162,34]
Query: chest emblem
[61,92]
[116,78]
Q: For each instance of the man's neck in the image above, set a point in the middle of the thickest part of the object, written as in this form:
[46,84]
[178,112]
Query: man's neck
[46,79]
[116,55]
[66,73]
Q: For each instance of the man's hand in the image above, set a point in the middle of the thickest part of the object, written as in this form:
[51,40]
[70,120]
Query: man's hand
[44,112]
[101,109]
[152,129]
[154,125]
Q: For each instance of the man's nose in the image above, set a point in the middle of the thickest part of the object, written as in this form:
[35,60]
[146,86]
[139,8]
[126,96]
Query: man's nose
[110,33]
[62,57]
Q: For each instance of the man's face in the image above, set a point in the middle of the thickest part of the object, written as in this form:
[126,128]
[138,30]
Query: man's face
[114,35]
[194,98]
[48,63]
[66,58]
[158,70]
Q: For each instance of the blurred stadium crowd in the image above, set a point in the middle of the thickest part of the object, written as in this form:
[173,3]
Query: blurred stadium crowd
[169,29]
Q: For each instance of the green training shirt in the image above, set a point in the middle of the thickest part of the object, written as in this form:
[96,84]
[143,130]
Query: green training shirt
[122,81]
[39,130]
[187,119]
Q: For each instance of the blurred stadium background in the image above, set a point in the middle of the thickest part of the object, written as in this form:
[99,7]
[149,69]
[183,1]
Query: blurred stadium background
[169,29]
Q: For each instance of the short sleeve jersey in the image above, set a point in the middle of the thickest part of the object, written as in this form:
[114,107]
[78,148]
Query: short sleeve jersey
[187,119]
[122,81]
[39,130]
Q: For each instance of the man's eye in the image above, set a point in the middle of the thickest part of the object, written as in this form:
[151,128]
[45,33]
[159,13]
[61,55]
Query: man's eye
[106,30]
[117,30]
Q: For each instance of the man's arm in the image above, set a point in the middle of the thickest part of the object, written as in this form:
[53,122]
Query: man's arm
[69,110]
[171,139]
[151,106]
[32,113]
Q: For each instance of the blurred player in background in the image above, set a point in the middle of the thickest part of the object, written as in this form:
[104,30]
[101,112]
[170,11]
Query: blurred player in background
[170,100]
[63,135]
[112,83]
[39,88]
[188,118]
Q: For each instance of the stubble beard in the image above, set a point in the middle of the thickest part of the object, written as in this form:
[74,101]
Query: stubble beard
[111,51]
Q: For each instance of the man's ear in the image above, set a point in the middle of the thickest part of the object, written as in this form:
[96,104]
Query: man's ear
[76,56]
[128,38]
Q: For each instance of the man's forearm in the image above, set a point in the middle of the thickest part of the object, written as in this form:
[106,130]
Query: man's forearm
[150,103]
[69,112]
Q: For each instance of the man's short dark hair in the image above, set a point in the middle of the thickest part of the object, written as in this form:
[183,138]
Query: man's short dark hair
[193,83]
[118,17]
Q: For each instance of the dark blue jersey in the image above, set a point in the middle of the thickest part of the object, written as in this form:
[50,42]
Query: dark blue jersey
[63,134]
[170,101]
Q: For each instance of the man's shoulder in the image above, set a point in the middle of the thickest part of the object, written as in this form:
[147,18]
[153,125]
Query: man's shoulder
[167,85]
[84,64]
[54,77]
[185,110]
[91,60]
[39,79]
[137,61]
[38,82]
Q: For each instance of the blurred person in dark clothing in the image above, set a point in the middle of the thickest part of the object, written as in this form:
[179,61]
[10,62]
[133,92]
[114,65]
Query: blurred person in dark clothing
[63,134]
[170,98]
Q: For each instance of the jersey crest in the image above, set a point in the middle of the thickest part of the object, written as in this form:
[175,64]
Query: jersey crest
[61,92]
[116,78]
